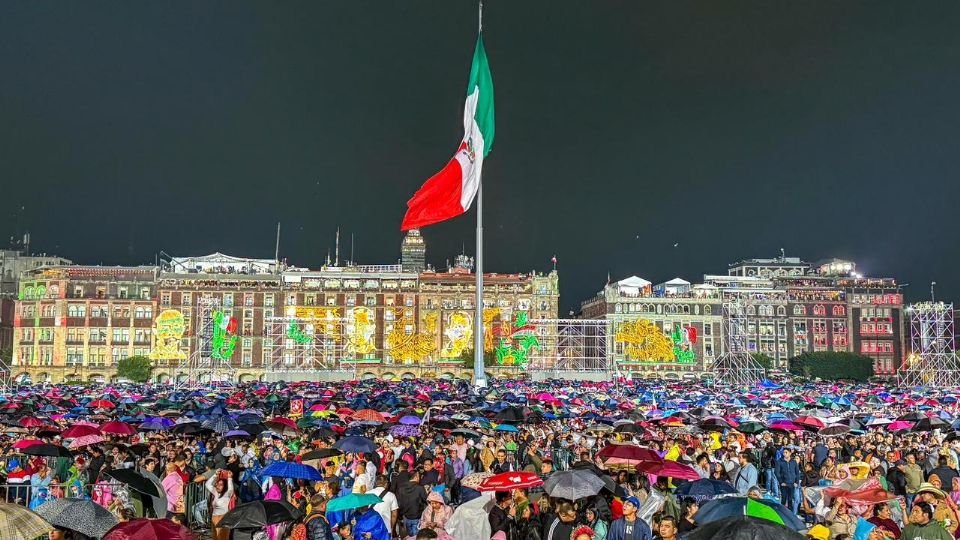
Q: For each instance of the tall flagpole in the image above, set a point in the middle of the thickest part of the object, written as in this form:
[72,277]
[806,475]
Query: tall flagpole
[479,376]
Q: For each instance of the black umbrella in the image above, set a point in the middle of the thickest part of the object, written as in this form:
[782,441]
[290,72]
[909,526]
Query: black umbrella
[50,450]
[742,528]
[930,424]
[321,454]
[257,514]
[629,428]
[467,433]
[82,516]
[188,428]
[135,480]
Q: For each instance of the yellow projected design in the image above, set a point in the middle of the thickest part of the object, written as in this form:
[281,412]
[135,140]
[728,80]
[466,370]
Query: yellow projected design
[643,341]
[324,320]
[415,347]
[168,330]
[489,314]
[360,329]
[457,334]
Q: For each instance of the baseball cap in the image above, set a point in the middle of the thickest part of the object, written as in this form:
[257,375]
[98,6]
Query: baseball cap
[632,500]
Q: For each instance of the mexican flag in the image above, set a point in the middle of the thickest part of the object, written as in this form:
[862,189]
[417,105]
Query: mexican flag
[451,191]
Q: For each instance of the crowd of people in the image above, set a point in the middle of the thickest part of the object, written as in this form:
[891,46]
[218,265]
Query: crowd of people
[554,460]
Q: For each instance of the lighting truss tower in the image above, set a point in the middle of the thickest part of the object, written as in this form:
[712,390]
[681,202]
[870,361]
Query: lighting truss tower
[202,366]
[300,345]
[6,377]
[735,367]
[934,359]
[570,346]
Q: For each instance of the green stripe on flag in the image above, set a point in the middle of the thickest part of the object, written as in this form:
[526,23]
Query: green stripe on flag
[481,81]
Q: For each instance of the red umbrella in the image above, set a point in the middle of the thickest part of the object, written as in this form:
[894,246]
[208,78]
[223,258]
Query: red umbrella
[25,443]
[150,529]
[31,422]
[118,428]
[670,469]
[79,431]
[281,421]
[101,404]
[368,415]
[511,480]
[810,422]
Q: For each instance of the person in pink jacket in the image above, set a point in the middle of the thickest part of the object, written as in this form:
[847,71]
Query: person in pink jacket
[173,485]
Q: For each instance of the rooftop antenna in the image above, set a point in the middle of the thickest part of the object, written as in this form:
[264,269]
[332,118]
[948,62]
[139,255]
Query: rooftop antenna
[328,256]
[783,254]
[336,251]
[932,285]
[352,260]
[276,251]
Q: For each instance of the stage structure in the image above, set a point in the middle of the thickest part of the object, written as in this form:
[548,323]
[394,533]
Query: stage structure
[736,367]
[216,335]
[6,377]
[306,342]
[568,348]
[934,359]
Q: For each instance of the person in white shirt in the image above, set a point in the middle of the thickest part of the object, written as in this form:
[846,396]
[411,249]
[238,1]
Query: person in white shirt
[388,509]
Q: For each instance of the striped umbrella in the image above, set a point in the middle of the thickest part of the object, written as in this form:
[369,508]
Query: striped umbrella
[18,523]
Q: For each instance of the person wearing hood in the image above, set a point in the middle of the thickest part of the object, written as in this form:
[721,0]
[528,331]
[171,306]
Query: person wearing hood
[369,525]
[436,514]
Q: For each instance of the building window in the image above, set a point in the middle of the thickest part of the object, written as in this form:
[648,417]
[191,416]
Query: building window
[165,299]
[781,311]
[331,300]
[291,299]
[248,299]
[74,357]
[122,292]
[120,336]
[708,310]
[246,359]
[142,335]
[799,310]
[247,342]
[819,310]
[186,299]
[76,310]
[118,354]
[370,301]
[268,300]
[751,310]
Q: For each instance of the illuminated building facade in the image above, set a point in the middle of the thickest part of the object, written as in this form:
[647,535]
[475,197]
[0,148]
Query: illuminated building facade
[791,307]
[77,322]
[74,323]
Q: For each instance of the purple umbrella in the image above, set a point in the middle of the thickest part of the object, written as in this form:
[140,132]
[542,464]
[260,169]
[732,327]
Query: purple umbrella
[404,431]
[238,433]
[410,420]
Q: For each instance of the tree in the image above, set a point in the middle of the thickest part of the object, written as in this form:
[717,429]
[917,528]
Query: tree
[135,368]
[832,366]
[765,361]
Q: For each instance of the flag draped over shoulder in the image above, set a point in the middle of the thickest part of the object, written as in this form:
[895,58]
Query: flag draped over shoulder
[451,191]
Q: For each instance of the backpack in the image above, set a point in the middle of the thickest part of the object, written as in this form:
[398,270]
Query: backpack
[299,531]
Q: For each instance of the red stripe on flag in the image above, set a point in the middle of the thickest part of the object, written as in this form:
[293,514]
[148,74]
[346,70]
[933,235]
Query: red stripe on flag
[437,200]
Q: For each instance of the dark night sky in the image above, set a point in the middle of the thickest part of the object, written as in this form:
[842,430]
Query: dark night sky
[623,127]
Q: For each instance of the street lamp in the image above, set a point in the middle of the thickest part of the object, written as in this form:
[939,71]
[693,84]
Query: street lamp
[932,285]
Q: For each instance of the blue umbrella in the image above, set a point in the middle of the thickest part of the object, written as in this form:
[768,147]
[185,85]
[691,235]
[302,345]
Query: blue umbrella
[289,469]
[506,427]
[152,426]
[236,433]
[355,445]
[705,489]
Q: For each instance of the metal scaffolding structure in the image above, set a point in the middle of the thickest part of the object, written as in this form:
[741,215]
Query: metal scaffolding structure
[934,358]
[736,367]
[303,344]
[570,345]
[201,366]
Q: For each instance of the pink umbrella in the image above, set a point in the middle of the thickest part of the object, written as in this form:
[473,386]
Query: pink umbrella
[670,469]
[86,440]
[86,423]
[26,443]
[900,425]
[785,425]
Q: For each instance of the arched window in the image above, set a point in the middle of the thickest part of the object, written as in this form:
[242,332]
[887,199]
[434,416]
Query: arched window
[799,310]
[781,311]
[819,310]
[751,310]
[707,310]
[839,311]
